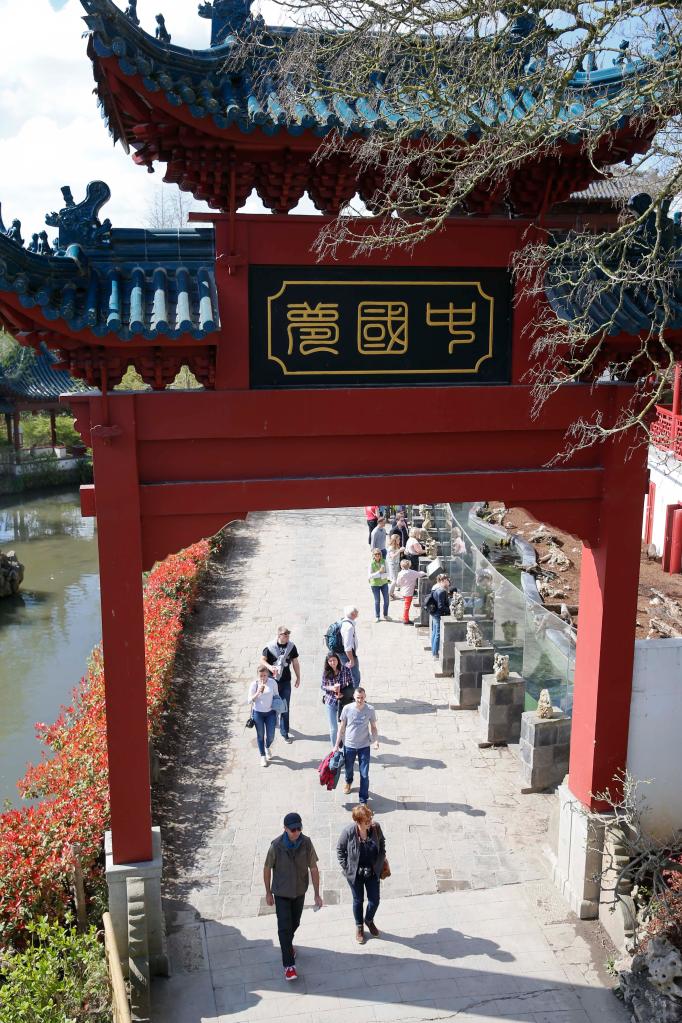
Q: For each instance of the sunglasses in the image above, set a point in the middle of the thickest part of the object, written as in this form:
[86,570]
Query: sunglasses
[293,829]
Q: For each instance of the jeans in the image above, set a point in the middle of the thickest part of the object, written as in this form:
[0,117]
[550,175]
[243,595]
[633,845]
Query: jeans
[378,592]
[288,918]
[265,727]
[435,634]
[363,756]
[406,611]
[355,669]
[284,690]
[332,710]
[358,887]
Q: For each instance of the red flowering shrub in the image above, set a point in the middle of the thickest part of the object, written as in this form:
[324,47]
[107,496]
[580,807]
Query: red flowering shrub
[35,840]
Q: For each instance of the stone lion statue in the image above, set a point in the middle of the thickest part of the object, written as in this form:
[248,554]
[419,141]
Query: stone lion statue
[501,667]
[474,637]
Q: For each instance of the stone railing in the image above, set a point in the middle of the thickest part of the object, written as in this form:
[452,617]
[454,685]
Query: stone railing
[120,1008]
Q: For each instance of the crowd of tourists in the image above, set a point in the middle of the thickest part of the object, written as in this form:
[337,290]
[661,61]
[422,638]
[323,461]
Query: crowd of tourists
[291,861]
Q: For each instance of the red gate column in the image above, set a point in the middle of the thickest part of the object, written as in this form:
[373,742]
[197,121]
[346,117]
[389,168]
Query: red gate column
[120,565]
[606,628]
[603,673]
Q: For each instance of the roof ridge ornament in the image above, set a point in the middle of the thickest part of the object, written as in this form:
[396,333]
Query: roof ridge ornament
[228,17]
[131,12]
[78,223]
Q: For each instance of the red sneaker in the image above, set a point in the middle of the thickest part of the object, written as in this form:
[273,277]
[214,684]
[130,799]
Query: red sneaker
[290,973]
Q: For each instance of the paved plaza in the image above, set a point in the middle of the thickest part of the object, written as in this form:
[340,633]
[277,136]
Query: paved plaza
[471,928]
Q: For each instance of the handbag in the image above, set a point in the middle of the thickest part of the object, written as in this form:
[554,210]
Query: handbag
[250,723]
[279,704]
[385,871]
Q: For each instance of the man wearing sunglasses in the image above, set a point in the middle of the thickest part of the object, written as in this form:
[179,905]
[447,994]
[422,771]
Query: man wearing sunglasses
[289,860]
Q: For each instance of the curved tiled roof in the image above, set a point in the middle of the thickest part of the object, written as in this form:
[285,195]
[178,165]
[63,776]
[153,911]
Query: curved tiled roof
[143,284]
[222,98]
[619,309]
[36,379]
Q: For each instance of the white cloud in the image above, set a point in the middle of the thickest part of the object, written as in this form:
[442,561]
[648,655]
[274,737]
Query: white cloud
[51,131]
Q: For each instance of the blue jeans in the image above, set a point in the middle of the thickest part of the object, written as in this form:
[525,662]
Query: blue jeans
[435,634]
[355,670]
[265,728]
[284,690]
[358,887]
[378,592]
[363,756]
[332,710]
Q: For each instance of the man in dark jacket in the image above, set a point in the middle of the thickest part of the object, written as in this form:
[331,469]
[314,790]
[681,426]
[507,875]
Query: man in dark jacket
[438,604]
[285,876]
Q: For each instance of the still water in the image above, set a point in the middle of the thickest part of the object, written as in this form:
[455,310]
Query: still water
[48,631]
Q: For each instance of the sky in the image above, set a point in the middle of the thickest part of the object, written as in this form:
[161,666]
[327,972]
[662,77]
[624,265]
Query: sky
[51,130]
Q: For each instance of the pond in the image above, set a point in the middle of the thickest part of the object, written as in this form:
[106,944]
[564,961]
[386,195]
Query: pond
[49,629]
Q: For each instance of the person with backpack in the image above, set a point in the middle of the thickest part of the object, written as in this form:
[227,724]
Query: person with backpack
[341,638]
[406,581]
[289,859]
[337,690]
[438,605]
[279,657]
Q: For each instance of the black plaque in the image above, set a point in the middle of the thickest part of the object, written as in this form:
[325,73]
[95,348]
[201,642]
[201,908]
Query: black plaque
[359,327]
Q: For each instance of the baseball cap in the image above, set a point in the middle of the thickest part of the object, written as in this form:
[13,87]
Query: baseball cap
[293,820]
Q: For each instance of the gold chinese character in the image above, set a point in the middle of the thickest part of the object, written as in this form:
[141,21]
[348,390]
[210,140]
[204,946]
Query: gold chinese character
[316,328]
[454,319]
[382,328]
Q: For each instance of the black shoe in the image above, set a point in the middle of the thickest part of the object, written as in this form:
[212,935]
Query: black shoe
[372,928]
[287,738]
[408,623]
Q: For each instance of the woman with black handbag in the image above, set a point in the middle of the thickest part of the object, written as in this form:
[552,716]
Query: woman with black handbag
[337,691]
[361,852]
[261,694]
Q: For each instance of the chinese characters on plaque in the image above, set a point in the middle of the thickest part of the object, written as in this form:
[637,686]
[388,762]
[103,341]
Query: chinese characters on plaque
[311,327]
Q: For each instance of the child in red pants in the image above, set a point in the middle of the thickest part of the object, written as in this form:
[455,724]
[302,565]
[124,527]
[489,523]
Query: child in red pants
[406,581]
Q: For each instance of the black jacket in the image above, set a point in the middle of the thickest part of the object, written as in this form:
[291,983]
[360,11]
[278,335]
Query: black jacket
[348,851]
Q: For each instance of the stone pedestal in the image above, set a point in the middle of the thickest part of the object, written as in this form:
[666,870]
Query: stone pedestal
[149,874]
[423,588]
[471,664]
[454,631]
[544,750]
[577,866]
[501,708]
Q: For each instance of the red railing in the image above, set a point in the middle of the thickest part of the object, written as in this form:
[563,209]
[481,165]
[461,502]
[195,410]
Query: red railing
[666,431]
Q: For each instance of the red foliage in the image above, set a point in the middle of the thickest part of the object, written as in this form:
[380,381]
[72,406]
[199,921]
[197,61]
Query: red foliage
[35,840]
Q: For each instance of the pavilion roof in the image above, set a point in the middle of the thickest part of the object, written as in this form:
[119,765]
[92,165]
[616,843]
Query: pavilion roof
[135,284]
[36,378]
[604,306]
[192,110]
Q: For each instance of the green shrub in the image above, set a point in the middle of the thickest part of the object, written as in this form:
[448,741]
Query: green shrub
[61,977]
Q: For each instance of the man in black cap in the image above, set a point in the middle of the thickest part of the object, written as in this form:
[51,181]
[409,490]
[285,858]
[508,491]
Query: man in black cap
[285,876]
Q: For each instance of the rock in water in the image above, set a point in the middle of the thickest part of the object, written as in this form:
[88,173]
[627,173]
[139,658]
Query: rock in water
[11,574]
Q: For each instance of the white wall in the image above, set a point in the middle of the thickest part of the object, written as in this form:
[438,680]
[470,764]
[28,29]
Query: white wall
[655,741]
[666,472]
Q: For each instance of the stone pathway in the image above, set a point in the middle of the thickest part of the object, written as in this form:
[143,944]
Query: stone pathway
[471,928]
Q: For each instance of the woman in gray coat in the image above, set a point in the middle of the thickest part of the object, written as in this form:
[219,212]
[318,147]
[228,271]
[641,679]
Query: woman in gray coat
[361,851]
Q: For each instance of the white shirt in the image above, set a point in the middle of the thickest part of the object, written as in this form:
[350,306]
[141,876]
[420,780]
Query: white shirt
[413,546]
[349,635]
[263,701]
